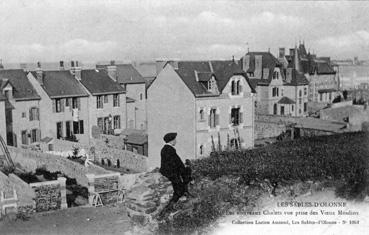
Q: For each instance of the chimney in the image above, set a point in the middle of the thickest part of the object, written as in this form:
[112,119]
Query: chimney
[246,63]
[289,75]
[112,70]
[75,69]
[61,65]
[282,52]
[258,66]
[39,74]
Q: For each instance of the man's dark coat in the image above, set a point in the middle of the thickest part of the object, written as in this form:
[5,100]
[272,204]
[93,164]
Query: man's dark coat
[172,166]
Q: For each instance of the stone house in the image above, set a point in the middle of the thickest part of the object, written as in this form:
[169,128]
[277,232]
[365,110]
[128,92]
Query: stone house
[64,112]
[210,104]
[296,90]
[266,76]
[22,108]
[107,109]
[323,79]
[135,85]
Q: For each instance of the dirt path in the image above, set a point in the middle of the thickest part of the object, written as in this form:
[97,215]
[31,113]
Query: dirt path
[102,220]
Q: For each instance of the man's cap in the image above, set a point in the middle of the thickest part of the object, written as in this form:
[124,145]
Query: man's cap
[169,137]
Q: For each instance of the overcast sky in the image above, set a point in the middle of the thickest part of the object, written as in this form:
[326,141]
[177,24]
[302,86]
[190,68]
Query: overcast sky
[97,30]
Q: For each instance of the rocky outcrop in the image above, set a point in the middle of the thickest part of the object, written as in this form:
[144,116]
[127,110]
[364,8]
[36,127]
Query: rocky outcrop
[147,197]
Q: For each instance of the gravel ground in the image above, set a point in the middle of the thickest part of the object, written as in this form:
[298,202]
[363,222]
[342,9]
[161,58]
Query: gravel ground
[77,220]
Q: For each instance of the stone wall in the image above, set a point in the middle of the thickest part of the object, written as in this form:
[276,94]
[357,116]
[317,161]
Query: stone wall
[264,129]
[50,195]
[31,160]
[113,150]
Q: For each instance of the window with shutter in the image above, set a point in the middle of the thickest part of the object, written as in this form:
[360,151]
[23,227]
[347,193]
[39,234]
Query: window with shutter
[81,128]
[38,114]
[216,119]
[54,105]
[241,117]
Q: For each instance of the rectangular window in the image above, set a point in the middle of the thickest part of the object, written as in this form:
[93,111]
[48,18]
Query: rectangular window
[282,110]
[116,102]
[23,114]
[33,135]
[7,94]
[24,137]
[116,121]
[99,102]
[106,99]
[58,105]
[67,101]
[59,130]
[305,107]
[67,129]
[235,116]
[305,91]
[212,118]
[75,103]
[34,114]
[78,127]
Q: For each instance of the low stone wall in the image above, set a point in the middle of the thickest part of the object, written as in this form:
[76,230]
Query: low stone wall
[50,195]
[107,186]
[105,151]
[264,129]
[31,160]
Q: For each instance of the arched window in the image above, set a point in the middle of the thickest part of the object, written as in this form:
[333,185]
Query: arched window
[238,87]
[118,163]
[109,162]
[201,149]
[233,88]
[275,109]
[102,162]
[201,114]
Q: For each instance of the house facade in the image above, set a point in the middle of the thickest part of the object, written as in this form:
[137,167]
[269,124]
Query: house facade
[266,76]
[64,112]
[296,89]
[135,86]
[107,109]
[210,104]
[322,77]
[22,108]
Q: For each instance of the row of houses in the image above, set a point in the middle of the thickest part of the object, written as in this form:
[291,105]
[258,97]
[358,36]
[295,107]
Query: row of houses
[210,104]
[70,103]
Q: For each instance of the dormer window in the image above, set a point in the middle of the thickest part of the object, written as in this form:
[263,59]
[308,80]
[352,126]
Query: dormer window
[212,84]
[275,75]
[235,87]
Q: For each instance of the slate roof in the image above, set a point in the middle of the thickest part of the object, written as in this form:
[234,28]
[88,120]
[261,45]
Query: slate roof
[286,100]
[98,82]
[126,74]
[61,84]
[298,79]
[22,87]
[268,61]
[222,70]
[326,90]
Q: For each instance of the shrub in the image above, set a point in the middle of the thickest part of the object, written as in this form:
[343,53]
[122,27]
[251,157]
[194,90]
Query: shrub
[342,157]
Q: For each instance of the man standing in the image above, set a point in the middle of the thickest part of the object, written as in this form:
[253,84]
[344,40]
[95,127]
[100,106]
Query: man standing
[173,168]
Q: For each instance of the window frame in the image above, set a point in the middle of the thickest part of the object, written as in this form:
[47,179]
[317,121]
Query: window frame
[99,102]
